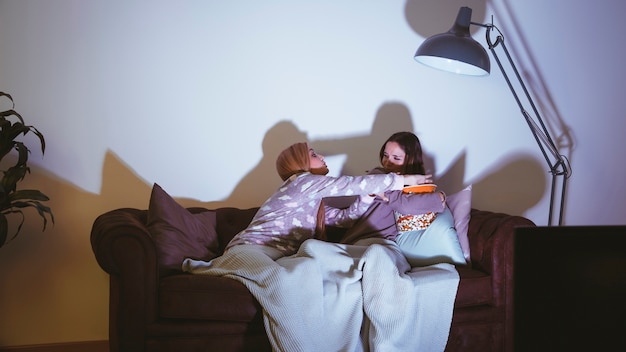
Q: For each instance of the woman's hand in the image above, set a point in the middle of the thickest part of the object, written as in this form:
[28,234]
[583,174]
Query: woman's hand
[412,180]
[424,179]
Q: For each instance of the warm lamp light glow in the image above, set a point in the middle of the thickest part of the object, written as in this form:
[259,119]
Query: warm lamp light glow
[450,65]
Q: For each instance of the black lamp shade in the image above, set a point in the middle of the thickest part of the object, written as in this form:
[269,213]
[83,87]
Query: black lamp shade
[455,51]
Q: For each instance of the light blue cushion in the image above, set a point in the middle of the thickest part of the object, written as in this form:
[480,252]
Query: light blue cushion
[438,243]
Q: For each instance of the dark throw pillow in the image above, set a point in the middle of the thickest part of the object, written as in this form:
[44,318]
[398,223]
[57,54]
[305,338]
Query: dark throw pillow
[178,233]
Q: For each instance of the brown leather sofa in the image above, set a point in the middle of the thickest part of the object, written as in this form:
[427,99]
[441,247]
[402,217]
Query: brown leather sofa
[154,311]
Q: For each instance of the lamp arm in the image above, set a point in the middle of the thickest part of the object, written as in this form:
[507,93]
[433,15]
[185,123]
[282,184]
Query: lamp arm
[558,164]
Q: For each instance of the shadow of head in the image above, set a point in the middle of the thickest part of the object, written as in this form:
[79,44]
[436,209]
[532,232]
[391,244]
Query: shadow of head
[427,18]
[512,187]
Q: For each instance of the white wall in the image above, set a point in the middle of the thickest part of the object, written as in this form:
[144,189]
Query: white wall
[200,96]
[164,84]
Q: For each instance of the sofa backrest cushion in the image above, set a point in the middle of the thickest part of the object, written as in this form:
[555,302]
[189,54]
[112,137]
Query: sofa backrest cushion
[231,221]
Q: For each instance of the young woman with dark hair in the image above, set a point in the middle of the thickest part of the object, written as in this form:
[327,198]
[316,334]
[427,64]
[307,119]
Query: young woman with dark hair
[401,153]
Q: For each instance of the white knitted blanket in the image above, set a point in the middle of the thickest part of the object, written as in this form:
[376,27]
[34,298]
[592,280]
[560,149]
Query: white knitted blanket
[332,297]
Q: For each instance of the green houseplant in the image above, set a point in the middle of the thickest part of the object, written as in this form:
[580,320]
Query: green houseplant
[12,200]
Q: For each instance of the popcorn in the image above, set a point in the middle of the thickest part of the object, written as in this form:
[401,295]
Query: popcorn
[414,222]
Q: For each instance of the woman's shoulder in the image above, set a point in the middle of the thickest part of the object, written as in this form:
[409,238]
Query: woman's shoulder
[308,177]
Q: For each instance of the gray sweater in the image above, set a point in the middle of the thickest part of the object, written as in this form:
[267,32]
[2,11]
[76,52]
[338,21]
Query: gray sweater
[379,221]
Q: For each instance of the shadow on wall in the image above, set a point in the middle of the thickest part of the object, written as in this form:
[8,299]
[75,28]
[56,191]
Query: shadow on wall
[512,186]
[259,184]
[51,288]
[362,151]
[427,18]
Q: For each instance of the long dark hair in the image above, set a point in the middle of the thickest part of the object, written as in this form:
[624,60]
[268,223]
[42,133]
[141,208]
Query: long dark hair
[408,141]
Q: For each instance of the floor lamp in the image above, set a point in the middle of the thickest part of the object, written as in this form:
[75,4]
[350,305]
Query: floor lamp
[456,51]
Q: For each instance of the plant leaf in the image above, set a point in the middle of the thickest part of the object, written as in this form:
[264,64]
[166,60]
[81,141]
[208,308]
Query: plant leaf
[3,94]
[12,176]
[29,194]
[4,225]
[12,112]
[41,209]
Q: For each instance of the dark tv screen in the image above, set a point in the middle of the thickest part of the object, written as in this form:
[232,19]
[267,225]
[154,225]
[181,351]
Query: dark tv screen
[570,288]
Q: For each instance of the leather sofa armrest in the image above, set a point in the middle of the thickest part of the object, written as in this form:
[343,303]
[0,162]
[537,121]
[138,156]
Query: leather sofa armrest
[119,235]
[491,245]
[123,248]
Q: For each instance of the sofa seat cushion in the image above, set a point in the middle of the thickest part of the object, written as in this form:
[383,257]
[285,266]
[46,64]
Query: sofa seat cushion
[187,296]
[474,288]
